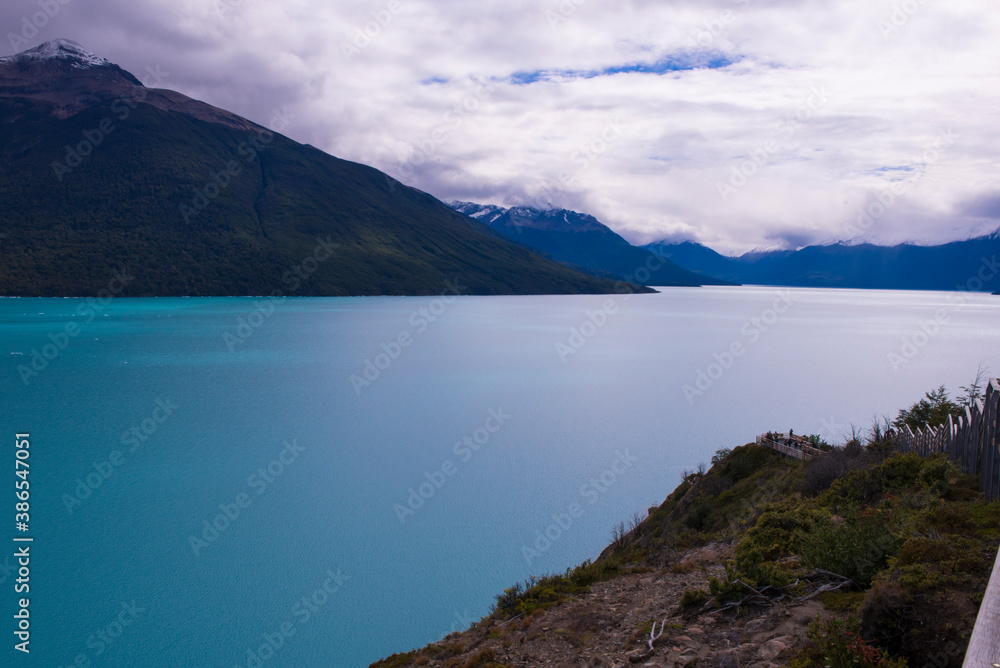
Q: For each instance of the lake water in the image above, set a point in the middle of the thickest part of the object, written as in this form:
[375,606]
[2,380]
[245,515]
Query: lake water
[358,517]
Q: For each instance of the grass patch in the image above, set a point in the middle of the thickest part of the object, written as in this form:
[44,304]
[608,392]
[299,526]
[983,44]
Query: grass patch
[542,592]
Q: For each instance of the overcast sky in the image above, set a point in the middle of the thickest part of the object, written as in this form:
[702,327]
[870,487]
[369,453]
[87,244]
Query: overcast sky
[737,123]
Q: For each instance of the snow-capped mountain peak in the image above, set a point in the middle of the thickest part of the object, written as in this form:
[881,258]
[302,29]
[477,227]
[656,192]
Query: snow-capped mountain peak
[60,49]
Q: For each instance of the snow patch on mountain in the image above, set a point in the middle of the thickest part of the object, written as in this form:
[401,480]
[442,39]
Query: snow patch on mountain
[60,49]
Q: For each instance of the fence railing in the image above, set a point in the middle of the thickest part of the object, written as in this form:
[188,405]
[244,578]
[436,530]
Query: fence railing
[971,442]
[793,446]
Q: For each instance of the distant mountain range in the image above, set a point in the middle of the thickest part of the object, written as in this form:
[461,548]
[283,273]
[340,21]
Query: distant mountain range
[582,241]
[970,265]
[101,175]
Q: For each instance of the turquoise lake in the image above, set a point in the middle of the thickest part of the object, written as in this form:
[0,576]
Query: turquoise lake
[323,482]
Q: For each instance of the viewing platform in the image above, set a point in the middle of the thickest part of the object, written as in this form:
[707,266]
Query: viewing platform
[788,444]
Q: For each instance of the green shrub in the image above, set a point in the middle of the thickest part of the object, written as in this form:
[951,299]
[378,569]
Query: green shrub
[693,598]
[720,455]
[737,584]
[775,534]
[840,646]
[899,472]
[747,460]
[544,591]
[858,547]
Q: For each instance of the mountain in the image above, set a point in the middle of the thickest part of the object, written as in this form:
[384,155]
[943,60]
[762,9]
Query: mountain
[582,241]
[969,264]
[697,258]
[100,174]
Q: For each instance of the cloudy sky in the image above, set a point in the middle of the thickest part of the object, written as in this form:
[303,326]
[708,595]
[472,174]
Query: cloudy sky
[737,123]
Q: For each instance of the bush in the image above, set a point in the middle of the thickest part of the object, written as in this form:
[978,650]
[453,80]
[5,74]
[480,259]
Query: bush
[544,591]
[817,442]
[735,586]
[840,646]
[822,471]
[747,460]
[481,658]
[882,614]
[857,547]
[775,534]
[693,598]
[899,472]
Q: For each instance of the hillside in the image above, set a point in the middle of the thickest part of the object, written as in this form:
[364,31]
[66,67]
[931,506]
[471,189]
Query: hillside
[858,557]
[583,241]
[101,175]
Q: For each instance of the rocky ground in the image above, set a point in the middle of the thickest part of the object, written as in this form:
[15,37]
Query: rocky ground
[897,547]
[610,626]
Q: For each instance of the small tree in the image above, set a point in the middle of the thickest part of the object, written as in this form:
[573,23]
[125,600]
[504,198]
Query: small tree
[720,455]
[817,442]
[931,411]
[974,392]
[879,430]
[618,534]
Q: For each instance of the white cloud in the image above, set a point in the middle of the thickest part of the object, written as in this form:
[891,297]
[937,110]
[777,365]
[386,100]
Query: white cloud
[893,79]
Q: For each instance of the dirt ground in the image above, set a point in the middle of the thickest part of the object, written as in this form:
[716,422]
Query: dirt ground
[610,626]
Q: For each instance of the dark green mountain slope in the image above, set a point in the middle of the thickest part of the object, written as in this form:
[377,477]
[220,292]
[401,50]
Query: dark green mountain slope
[190,200]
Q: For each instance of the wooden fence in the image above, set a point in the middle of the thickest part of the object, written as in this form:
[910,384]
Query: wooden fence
[971,442]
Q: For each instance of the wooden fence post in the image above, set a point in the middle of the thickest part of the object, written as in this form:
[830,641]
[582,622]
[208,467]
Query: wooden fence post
[991,465]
